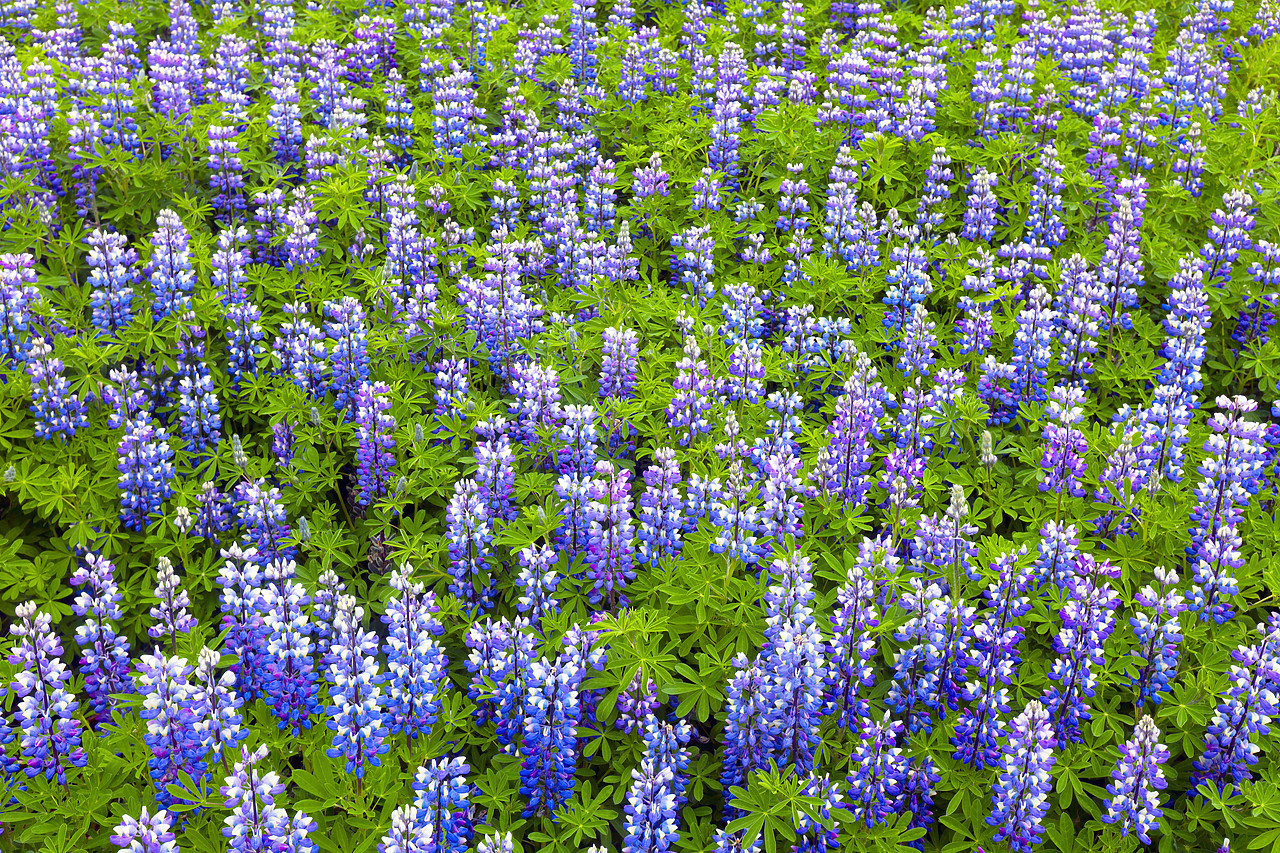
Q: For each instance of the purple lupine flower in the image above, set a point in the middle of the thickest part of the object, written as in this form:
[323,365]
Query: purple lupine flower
[301,351]
[256,822]
[667,745]
[737,522]
[169,271]
[261,513]
[244,340]
[170,613]
[1079,313]
[1228,236]
[610,535]
[112,276]
[58,412]
[551,711]
[1121,266]
[198,411]
[1020,798]
[217,707]
[1246,709]
[287,674]
[415,678]
[750,728]
[981,208]
[877,763]
[229,261]
[1230,475]
[537,581]
[18,296]
[651,810]
[470,541]
[240,578]
[909,285]
[146,471]
[375,457]
[1033,346]
[1063,464]
[693,392]
[661,509]
[1137,781]
[356,715]
[794,657]
[537,404]
[169,709]
[146,833]
[496,476]
[349,358]
[1088,619]
[46,710]
[1158,634]
[442,798]
[226,178]
[104,661]
[995,643]
[619,361]
[852,647]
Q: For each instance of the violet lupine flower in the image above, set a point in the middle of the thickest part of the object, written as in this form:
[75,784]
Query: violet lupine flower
[261,513]
[537,404]
[661,509]
[1228,236]
[470,542]
[416,675]
[1121,266]
[111,279]
[981,208]
[551,712]
[694,265]
[455,116]
[146,833]
[169,709]
[1088,618]
[226,169]
[945,542]
[1020,798]
[375,457]
[1137,782]
[104,661]
[1079,313]
[301,351]
[229,262]
[995,643]
[496,475]
[537,582]
[198,411]
[170,613]
[693,393]
[349,358]
[909,285]
[610,535]
[781,510]
[1063,464]
[256,822]
[1246,709]
[356,714]
[169,272]
[794,657]
[845,472]
[452,384]
[750,727]
[18,296]
[1033,346]
[146,471]
[852,647]
[736,520]
[1230,475]
[442,800]
[1158,634]
[244,340]
[878,766]
[287,675]
[216,707]
[240,577]
[618,367]
[651,810]
[58,412]
[46,710]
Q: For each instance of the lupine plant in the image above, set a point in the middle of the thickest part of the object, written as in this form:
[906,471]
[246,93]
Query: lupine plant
[724,425]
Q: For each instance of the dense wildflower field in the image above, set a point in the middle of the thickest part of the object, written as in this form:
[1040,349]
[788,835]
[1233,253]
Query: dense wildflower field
[740,426]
